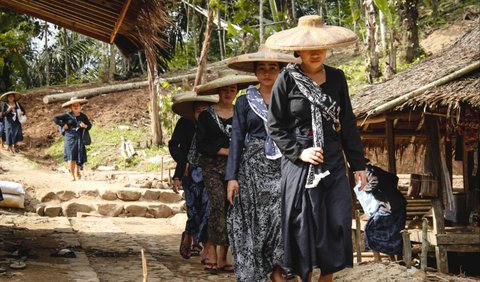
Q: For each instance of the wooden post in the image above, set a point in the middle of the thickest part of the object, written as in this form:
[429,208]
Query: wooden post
[449,157]
[161,170]
[407,248]
[432,164]
[390,145]
[358,233]
[425,244]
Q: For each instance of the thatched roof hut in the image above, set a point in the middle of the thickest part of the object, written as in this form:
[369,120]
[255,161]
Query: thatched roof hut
[462,54]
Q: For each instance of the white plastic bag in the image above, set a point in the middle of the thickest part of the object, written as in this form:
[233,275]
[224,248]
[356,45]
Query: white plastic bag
[12,188]
[367,200]
[13,201]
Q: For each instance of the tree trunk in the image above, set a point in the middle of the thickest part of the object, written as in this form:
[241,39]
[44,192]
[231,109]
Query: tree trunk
[140,61]
[112,63]
[260,19]
[294,14]
[373,70]
[383,32]
[65,53]
[47,56]
[206,45]
[104,62]
[408,16]
[154,90]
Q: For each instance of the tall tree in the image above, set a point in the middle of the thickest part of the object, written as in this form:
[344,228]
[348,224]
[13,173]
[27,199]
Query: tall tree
[409,15]
[47,54]
[373,69]
[260,20]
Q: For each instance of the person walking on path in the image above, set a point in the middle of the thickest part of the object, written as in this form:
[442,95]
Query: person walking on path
[253,174]
[13,113]
[311,121]
[74,126]
[213,141]
[188,173]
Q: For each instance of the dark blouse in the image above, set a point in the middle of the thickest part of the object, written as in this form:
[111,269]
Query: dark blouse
[245,121]
[9,116]
[179,144]
[66,118]
[210,138]
[290,114]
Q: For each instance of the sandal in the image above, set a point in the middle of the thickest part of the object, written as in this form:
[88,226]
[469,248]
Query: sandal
[211,268]
[226,268]
[184,248]
[195,250]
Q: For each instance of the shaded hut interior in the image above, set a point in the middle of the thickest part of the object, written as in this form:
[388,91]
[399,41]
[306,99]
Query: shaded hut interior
[426,120]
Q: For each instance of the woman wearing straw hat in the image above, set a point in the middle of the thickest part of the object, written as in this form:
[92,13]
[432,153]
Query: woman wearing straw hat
[74,125]
[188,172]
[253,174]
[311,121]
[213,142]
[12,113]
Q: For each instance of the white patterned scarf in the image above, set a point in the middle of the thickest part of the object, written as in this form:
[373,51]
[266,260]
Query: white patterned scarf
[227,129]
[323,107]
[255,100]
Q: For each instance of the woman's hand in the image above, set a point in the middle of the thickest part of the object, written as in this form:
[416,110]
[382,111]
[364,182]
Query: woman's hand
[360,176]
[232,188]
[223,152]
[312,155]
[83,125]
[176,184]
[65,126]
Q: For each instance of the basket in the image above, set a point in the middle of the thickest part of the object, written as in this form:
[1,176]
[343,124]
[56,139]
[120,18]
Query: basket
[422,186]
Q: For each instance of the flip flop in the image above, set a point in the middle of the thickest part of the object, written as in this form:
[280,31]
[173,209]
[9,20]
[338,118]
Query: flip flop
[195,250]
[18,265]
[211,268]
[228,268]
[184,249]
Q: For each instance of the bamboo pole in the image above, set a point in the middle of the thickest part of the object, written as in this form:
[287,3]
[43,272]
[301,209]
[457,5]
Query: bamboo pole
[144,266]
[407,248]
[402,99]
[425,244]
[206,45]
[358,232]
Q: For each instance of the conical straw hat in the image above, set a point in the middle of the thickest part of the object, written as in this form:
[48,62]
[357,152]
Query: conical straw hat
[264,54]
[311,34]
[4,96]
[74,100]
[213,87]
[183,103]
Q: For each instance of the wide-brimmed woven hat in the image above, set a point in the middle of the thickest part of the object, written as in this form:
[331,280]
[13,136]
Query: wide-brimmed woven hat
[74,100]
[311,34]
[4,96]
[246,62]
[213,87]
[183,103]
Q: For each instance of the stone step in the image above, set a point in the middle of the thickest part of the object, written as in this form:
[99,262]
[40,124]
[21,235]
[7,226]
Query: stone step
[112,194]
[103,208]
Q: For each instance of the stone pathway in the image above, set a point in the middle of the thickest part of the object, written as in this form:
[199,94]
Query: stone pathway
[107,249]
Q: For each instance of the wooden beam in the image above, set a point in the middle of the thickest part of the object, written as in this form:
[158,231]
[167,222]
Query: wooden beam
[83,6]
[389,127]
[458,239]
[52,18]
[120,19]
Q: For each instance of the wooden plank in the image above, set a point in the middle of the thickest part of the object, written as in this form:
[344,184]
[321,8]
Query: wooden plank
[389,131]
[458,239]
[81,6]
[463,248]
[119,21]
[358,235]
[449,157]
[407,249]
[52,18]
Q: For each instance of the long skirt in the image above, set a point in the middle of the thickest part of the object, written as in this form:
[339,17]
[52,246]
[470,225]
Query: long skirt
[13,132]
[196,199]
[382,232]
[73,148]
[316,221]
[214,179]
[254,222]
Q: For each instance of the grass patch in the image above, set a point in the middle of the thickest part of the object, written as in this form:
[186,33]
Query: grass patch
[105,149]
